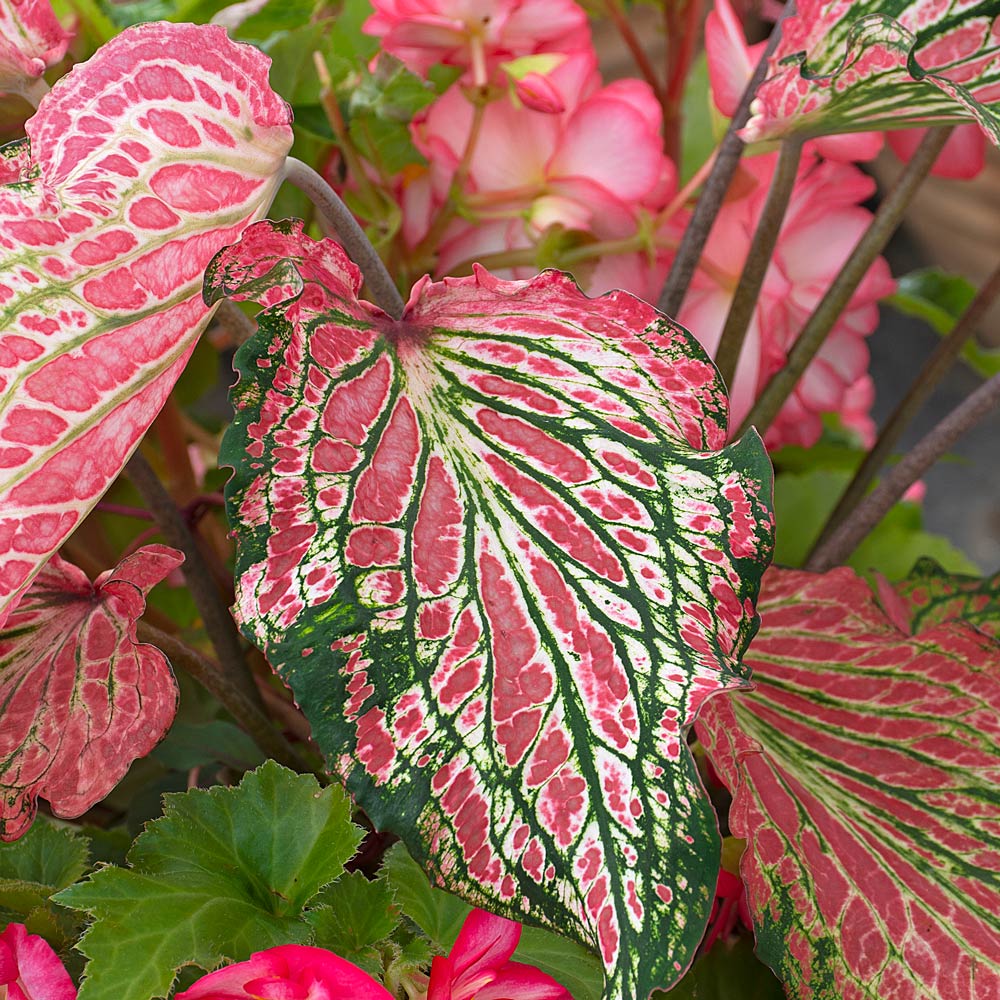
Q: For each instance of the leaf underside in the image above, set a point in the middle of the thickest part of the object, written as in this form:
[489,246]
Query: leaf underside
[864,768]
[80,699]
[500,554]
[858,65]
[145,161]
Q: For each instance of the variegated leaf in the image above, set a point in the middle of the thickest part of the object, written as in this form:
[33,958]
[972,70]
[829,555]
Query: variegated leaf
[146,161]
[31,40]
[865,769]
[80,699]
[501,554]
[855,65]
[932,596]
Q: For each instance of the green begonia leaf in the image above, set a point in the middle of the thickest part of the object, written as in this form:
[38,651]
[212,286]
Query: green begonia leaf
[223,873]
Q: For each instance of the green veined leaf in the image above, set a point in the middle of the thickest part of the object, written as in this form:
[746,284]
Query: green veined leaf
[864,769]
[223,873]
[500,553]
[859,65]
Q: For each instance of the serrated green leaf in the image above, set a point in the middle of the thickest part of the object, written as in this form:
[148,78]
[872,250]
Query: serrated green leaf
[223,873]
[46,855]
[360,913]
[437,913]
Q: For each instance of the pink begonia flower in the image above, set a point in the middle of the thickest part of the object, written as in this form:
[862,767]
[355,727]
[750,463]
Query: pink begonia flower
[531,170]
[478,967]
[823,223]
[30,969]
[31,40]
[288,972]
[962,158]
[476,34]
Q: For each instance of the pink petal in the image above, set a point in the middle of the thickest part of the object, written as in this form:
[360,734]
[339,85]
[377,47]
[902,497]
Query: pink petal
[850,147]
[30,969]
[730,60]
[522,982]
[485,942]
[963,156]
[31,40]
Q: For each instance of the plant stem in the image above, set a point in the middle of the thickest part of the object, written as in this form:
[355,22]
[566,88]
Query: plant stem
[726,160]
[235,322]
[911,467]
[683,19]
[615,12]
[758,260]
[826,314]
[338,216]
[934,369]
[215,615]
[246,712]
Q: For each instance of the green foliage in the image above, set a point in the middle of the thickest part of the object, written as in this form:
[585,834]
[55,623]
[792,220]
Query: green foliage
[440,916]
[223,873]
[940,299]
[730,971]
[353,918]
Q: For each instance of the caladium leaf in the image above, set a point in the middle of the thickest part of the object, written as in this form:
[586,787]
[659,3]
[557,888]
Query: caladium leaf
[500,552]
[31,40]
[856,65]
[864,769]
[146,160]
[932,596]
[80,698]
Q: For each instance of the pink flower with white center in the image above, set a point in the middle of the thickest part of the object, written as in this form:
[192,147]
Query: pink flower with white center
[476,34]
[31,40]
[288,972]
[823,223]
[30,969]
[587,169]
[478,967]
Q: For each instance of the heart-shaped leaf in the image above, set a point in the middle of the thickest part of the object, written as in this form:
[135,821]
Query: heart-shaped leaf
[80,699]
[500,553]
[146,160]
[856,65]
[864,769]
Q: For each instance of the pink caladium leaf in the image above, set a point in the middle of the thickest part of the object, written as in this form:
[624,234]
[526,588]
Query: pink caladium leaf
[31,40]
[146,160]
[856,65]
[500,552]
[80,698]
[932,596]
[864,769]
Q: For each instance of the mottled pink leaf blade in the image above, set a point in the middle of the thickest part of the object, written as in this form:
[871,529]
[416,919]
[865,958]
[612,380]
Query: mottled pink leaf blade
[80,698]
[146,160]
[856,65]
[864,768]
[502,556]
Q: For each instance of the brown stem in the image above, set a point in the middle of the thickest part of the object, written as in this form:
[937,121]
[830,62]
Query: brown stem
[215,615]
[247,713]
[615,12]
[758,260]
[913,465]
[821,322]
[934,369]
[682,23]
[726,160]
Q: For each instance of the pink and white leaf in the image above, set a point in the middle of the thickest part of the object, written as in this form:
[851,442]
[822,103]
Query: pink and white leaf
[145,161]
[848,66]
[864,768]
[31,40]
[501,553]
[932,596]
[80,697]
